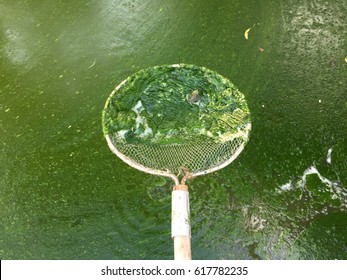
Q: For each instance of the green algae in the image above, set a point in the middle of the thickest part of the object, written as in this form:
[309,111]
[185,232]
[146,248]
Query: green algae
[174,104]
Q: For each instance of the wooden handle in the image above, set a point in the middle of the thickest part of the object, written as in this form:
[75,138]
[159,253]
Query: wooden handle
[180,224]
[182,248]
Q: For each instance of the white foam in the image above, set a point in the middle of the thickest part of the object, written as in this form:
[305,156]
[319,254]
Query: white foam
[334,188]
[311,170]
[287,187]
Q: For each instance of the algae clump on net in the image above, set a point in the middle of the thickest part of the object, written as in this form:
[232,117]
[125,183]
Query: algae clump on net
[175,104]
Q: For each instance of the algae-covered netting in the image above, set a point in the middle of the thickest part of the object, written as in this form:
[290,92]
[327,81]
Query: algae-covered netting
[177,118]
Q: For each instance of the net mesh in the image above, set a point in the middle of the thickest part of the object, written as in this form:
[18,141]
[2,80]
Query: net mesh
[177,119]
[179,159]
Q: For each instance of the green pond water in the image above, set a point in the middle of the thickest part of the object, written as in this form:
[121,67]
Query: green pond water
[64,195]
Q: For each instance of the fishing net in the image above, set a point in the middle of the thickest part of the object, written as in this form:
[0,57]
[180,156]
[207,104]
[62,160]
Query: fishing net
[176,120]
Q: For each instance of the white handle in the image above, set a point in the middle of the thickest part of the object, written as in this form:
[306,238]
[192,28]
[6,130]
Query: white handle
[180,223]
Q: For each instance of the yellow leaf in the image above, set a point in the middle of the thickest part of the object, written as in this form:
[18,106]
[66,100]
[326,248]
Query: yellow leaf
[246,33]
[346,59]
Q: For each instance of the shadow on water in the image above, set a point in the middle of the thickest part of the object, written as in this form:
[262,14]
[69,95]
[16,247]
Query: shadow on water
[63,195]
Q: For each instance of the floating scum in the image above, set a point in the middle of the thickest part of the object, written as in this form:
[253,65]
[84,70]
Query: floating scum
[178,121]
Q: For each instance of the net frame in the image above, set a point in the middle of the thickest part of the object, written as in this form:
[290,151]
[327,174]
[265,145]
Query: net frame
[168,174]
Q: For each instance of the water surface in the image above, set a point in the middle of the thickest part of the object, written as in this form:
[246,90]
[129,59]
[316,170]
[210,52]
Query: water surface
[64,195]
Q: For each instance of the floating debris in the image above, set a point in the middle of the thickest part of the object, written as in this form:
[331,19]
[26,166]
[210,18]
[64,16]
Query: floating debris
[261,49]
[193,97]
[92,65]
[329,156]
[332,62]
[246,33]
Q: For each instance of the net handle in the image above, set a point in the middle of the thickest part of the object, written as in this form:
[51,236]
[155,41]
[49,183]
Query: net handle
[180,223]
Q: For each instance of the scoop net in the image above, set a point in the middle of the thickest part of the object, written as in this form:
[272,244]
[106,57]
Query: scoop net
[176,120]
